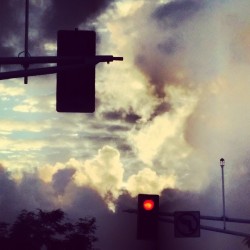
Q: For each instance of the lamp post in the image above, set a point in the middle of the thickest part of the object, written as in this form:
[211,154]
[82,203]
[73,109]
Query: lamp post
[222,164]
[26,38]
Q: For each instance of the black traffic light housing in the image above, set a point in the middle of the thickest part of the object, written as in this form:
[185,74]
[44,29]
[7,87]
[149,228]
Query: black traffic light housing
[147,216]
[76,85]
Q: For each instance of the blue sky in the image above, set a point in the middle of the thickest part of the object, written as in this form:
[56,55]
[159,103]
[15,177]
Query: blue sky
[164,116]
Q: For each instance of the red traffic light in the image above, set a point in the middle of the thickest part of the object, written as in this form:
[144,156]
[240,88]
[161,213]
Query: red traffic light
[147,216]
[148,205]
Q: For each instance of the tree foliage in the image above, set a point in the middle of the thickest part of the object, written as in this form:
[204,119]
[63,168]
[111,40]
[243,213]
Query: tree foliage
[34,229]
[246,241]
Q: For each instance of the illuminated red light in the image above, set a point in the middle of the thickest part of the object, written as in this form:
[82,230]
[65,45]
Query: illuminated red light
[148,205]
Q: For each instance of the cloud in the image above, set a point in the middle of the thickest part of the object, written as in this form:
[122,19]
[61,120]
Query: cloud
[176,12]
[7,91]
[8,195]
[21,145]
[56,15]
[172,83]
[104,173]
[36,104]
[15,197]
[12,126]
[10,30]
[147,181]
[156,133]
[61,179]
[178,66]
[45,19]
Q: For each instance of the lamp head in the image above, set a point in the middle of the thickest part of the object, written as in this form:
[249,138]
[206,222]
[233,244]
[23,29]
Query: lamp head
[222,162]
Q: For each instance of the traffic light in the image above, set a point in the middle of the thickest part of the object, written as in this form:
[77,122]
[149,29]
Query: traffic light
[147,216]
[76,85]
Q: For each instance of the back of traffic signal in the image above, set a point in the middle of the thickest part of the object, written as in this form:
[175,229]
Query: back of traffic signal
[75,68]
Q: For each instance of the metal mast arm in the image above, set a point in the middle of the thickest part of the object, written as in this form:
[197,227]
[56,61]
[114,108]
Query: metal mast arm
[56,59]
[75,63]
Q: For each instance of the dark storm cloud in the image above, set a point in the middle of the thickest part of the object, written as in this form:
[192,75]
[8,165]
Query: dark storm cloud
[9,197]
[132,118]
[162,108]
[159,52]
[157,72]
[112,115]
[61,179]
[11,26]
[35,193]
[30,193]
[168,47]
[117,128]
[174,13]
[44,22]
[125,148]
[64,14]
[121,115]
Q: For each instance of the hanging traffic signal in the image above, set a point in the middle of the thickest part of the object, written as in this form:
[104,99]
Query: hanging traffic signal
[76,84]
[147,216]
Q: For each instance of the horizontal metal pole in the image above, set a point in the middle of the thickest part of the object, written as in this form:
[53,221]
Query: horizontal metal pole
[215,218]
[38,71]
[56,59]
[213,229]
[208,228]
[131,211]
[82,62]
[236,220]
[224,231]
[202,217]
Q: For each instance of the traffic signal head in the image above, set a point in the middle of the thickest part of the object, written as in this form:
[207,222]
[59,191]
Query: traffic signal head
[147,216]
[76,85]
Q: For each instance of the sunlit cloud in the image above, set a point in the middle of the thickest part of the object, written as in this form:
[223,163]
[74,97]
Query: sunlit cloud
[36,104]
[105,174]
[10,126]
[147,181]
[6,90]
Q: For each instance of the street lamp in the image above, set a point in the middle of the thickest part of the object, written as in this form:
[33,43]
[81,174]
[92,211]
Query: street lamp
[222,164]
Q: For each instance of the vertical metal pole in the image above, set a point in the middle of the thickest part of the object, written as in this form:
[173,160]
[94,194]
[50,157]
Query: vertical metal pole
[222,164]
[26,39]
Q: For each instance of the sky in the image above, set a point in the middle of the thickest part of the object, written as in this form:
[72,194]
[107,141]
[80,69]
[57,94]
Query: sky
[164,116]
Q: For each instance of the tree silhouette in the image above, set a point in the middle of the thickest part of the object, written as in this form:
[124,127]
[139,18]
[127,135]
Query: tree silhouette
[31,230]
[4,235]
[246,241]
[77,237]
